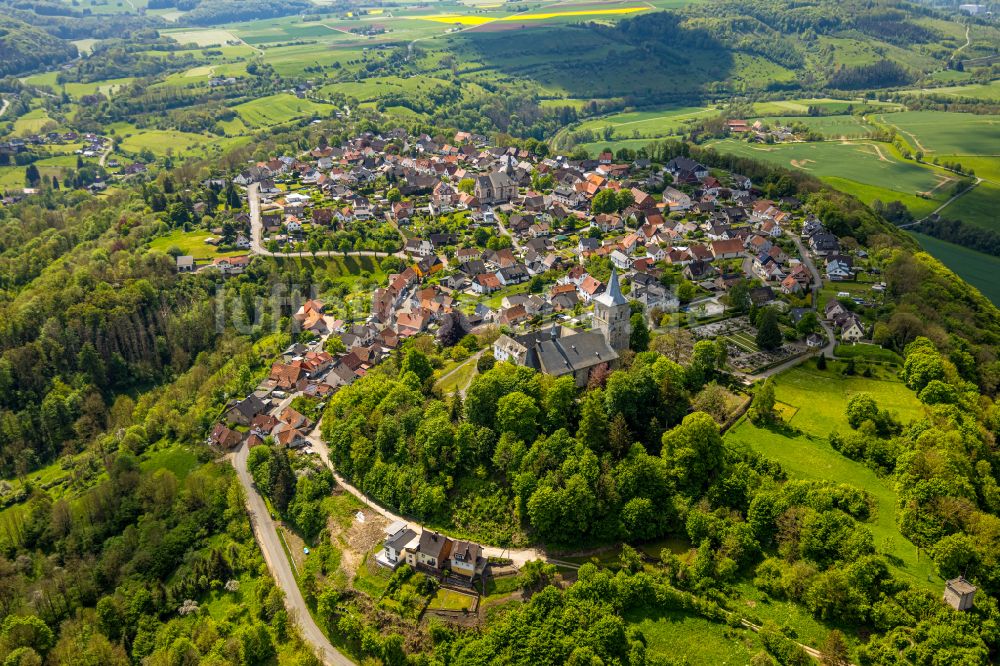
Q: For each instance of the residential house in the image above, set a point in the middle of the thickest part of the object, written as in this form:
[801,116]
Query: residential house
[432,551]
[590,288]
[419,247]
[225,438]
[398,537]
[243,412]
[824,244]
[727,249]
[467,559]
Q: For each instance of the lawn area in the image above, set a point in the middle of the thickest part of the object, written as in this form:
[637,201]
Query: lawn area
[690,639]
[744,341]
[866,352]
[180,460]
[820,399]
[452,600]
[977,268]
[191,243]
[499,587]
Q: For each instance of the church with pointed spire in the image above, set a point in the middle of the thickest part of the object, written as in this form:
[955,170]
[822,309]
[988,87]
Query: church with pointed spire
[559,350]
[612,314]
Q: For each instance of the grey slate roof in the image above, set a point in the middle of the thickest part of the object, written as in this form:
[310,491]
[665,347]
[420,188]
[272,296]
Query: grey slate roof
[400,539]
[561,355]
[432,543]
[612,296]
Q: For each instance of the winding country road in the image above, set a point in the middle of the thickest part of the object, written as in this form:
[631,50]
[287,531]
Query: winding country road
[270,545]
[3,109]
[517,555]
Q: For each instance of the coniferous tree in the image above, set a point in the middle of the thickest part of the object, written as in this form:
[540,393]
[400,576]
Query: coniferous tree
[768,333]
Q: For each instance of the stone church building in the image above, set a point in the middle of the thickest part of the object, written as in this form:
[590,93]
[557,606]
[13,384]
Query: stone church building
[559,351]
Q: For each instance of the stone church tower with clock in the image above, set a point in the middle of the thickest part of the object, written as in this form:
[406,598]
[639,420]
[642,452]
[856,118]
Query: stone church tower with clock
[612,313]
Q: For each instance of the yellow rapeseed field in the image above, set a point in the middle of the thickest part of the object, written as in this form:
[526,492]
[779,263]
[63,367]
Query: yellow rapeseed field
[539,16]
[463,20]
[580,12]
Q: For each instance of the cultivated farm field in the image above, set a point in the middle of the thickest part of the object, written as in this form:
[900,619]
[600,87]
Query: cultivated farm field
[866,169]
[977,268]
[945,133]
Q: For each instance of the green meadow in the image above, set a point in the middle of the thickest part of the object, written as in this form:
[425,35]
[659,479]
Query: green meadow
[689,639]
[978,206]
[647,124]
[813,402]
[280,108]
[984,91]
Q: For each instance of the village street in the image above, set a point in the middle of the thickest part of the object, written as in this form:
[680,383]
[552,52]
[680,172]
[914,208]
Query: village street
[277,562]
[257,236]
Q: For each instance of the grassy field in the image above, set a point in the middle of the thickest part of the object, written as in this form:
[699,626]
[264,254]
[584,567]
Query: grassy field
[646,124]
[277,109]
[977,207]
[819,399]
[207,37]
[866,169]
[461,375]
[689,639]
[800,107]
[830,126]
[944,133]
[33,122]
[987,91]
[977,268]
[191,243]
[866,352]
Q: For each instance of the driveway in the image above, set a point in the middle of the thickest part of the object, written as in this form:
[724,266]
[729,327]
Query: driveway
[270,545]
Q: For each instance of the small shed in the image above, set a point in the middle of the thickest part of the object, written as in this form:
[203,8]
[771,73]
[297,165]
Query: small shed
[959,593]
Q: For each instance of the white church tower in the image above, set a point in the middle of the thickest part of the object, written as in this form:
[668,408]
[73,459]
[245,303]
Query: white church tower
[611,314]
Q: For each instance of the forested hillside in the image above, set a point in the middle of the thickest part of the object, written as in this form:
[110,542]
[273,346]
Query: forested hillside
[24,47]
[117,523]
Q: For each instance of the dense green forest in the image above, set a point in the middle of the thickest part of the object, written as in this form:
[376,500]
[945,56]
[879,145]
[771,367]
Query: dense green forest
[24,47]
